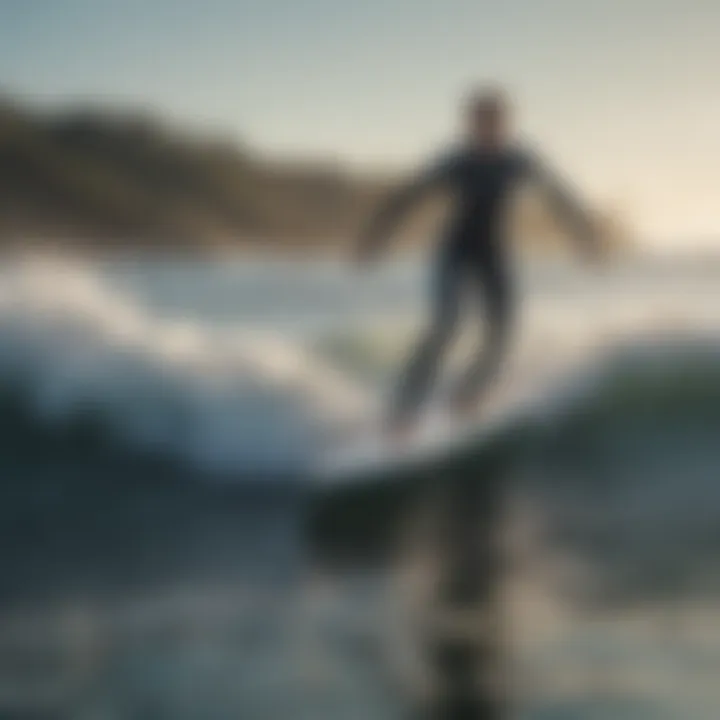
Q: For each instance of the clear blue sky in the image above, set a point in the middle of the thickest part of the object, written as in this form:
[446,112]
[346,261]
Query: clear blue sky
[622,92]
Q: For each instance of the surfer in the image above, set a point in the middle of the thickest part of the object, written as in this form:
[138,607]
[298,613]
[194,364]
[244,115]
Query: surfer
[480,175]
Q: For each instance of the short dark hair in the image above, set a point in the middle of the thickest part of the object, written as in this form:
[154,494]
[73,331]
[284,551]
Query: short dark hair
[487,100]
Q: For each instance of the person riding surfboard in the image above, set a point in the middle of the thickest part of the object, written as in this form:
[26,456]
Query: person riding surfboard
[480,175]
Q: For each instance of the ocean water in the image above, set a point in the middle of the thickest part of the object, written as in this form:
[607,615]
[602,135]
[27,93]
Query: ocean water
[162,422]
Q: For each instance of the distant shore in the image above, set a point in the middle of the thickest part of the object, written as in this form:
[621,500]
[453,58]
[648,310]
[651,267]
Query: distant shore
[100,181]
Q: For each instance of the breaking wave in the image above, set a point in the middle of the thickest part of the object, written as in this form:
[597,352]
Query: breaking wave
[83,364]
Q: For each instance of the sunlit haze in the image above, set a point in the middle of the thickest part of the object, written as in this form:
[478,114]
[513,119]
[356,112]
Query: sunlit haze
[623,93]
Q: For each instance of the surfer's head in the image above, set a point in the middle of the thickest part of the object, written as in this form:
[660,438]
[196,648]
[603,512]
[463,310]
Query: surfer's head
[488,116]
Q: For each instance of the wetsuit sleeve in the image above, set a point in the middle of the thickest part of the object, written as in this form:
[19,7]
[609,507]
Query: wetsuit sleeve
[392,211]
[563,200]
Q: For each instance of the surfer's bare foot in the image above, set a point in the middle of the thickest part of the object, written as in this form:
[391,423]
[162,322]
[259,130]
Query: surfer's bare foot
[466,406]
[401,430]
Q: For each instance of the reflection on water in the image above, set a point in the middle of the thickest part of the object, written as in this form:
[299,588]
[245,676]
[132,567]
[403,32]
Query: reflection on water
[137,586]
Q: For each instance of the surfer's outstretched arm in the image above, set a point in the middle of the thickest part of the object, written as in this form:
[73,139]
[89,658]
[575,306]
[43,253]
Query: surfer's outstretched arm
[566,204]
[382,224]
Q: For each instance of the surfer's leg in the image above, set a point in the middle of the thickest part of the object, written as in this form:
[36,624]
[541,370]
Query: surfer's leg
[421,370]
[497,296]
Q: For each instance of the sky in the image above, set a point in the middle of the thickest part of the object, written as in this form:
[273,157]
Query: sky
[623,94]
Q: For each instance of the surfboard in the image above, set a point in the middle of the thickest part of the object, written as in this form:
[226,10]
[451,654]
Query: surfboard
[369,452]
[371,448]
[366,483]
[521,398]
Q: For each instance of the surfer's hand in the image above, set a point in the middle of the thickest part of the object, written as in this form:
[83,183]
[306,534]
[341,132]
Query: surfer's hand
[367,252]
[594,247]
[600,253]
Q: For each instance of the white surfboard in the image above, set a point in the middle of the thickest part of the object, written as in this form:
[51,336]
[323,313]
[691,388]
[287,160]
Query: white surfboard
[368,452]
[371,446]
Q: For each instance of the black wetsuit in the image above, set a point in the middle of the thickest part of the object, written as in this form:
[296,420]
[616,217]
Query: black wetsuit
[472,256]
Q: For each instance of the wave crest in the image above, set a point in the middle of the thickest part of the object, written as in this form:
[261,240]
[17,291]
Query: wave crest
[75,350]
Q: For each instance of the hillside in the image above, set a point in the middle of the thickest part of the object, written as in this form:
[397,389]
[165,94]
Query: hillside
[110,181]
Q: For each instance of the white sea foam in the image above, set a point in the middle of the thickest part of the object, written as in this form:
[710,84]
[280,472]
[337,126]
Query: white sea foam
[223,399]
[241,400]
